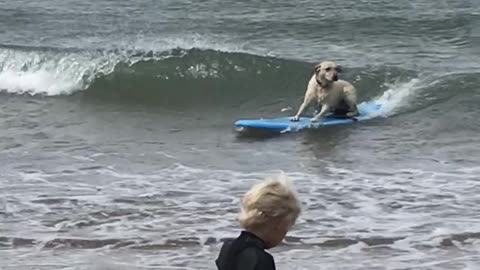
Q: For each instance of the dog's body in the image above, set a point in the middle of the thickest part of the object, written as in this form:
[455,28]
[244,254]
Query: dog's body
[329,93]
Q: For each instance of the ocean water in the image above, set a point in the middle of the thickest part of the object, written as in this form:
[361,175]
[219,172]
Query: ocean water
[117,147]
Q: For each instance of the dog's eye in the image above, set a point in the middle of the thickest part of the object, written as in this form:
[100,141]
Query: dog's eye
[328,69]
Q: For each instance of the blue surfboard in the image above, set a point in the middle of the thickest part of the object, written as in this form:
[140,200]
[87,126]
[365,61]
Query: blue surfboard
[284,124]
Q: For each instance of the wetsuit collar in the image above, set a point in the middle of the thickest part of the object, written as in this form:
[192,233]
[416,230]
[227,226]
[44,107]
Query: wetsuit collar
[254,239]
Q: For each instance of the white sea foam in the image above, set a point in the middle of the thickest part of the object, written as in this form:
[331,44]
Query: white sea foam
[52,73]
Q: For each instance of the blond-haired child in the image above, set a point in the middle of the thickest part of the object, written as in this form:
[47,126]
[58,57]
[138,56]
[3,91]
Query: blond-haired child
[269,209]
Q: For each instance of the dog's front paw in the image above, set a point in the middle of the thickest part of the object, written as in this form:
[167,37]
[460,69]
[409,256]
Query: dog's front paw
[314,119]
[294,118]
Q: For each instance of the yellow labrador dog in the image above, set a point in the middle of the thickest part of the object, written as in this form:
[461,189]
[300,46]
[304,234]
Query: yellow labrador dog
[329,93]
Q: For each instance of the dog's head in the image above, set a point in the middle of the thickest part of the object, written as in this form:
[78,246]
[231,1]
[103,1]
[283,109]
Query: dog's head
[326,72]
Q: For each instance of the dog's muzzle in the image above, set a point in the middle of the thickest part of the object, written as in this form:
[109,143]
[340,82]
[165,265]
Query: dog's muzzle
[335,78]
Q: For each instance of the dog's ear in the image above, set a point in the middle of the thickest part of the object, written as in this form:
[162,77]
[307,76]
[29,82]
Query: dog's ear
[317,68]
[339,70]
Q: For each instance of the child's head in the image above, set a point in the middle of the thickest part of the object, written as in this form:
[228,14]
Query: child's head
[270,209]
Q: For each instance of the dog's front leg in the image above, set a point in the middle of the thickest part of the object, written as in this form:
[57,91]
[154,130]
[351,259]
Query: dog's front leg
[309,96]
[322,113]
[300,111]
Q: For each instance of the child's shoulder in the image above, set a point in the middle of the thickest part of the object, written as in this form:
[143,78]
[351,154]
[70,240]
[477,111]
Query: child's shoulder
[244,252]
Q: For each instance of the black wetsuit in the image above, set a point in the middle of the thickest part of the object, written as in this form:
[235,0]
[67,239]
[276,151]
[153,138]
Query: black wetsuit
[247,252]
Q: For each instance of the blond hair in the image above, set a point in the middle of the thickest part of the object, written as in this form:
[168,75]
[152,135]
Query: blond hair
[267,201]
